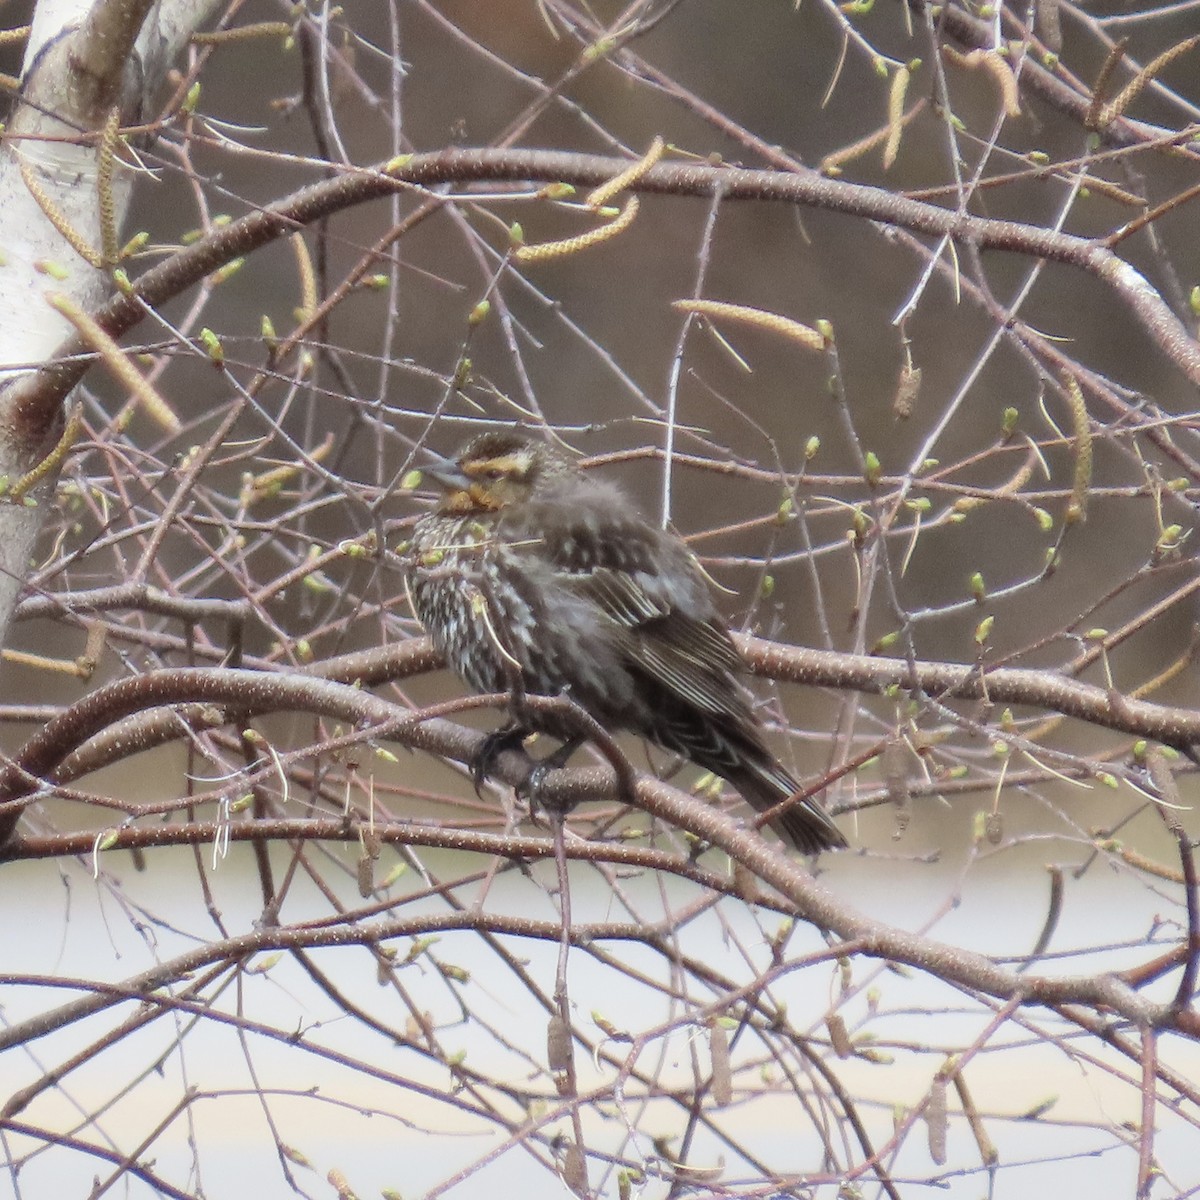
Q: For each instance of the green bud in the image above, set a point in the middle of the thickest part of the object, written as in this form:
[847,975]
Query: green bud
[212,346]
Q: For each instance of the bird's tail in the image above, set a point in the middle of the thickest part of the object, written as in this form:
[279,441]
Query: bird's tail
[807,826]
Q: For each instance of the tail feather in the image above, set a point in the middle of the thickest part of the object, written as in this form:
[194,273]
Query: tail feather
[733,750]
[807,826]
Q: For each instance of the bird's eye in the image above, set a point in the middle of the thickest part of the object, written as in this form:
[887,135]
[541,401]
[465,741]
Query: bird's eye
[493,473]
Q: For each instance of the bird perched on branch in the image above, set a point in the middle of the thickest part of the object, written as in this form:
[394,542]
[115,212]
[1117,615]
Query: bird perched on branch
[536,578]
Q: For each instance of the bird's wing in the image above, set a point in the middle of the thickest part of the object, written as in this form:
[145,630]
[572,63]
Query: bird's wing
[664,621]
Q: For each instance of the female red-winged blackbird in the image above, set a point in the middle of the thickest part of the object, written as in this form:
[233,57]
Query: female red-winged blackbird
[535,576]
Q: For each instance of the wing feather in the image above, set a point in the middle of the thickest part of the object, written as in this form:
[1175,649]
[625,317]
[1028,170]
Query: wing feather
[691,657]
[649,587]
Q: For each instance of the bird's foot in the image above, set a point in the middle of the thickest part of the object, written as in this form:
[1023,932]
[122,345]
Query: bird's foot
[532,788]
[508,737]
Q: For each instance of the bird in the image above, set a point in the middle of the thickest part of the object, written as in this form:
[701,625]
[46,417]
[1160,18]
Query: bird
[532,576]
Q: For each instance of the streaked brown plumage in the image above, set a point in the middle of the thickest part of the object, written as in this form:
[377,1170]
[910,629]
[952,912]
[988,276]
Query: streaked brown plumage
[554,565]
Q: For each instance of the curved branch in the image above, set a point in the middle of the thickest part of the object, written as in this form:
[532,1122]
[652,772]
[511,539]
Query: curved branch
[1177,727]
[812,901]
[115,738]
[37,394]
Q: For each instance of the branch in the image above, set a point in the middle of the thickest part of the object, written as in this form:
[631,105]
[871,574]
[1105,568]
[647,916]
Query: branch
[100,54]
[1176,727]
[811,900]
[45,389]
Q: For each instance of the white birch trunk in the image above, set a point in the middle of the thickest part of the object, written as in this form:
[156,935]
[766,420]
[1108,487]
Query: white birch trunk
[61,81]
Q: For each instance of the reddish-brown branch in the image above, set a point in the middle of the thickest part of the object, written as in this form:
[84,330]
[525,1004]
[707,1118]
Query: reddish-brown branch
[1177,727]
[771,660]
[811,900]
[36,397]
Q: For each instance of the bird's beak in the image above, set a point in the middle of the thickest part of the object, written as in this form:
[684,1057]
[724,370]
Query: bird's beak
[447,474]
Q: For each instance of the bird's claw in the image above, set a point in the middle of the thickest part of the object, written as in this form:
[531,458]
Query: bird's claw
[510,737]
[531,788]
